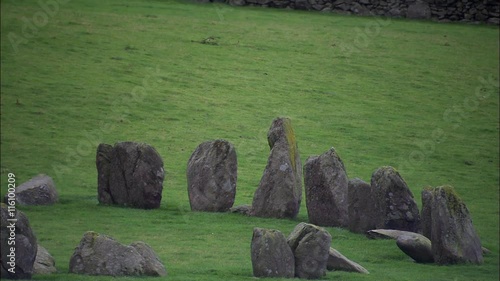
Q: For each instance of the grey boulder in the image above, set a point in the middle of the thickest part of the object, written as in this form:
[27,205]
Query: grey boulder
[310,245]
[326,186]
[337,261]
[361,206]
[40,190]
[417,247]
[212,172]
[271,254]
[44,262]
[129,174]
[101,255]
[395,206]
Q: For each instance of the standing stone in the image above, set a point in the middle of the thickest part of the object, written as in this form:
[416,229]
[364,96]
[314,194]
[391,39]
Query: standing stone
[39,190]
[426,212]
[310,245]
[454,239]
[280,189]
[130,174]
[101,255]
[44,262]
[212,172]
[103,164]
[395,207]
[326,186]
[271,255]
[25,249]
[361,206]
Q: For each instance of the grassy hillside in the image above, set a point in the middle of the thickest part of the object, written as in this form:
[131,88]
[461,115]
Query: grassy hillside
[420,96]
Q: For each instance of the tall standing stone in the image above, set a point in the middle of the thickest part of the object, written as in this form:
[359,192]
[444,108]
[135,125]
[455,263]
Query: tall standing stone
[361,206]
[395,206]
[310,245]
[130,174]
[280,189]
[271,255]
[17,264]
[212,172]
[326,186]
[453,237]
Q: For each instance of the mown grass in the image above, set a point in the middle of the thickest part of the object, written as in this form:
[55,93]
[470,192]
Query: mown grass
[406,97]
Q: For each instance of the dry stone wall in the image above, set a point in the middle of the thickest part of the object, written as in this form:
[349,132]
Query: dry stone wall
[486,11]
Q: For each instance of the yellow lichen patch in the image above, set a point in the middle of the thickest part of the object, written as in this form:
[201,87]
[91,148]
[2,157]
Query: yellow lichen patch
[290,137]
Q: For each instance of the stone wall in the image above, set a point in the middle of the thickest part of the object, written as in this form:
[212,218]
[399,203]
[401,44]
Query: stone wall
[486,11]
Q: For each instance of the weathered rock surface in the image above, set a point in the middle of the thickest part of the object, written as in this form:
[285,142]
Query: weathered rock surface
[129,174]
[454,239]
[44,262]
[387,233]
[101,255]
[242,209]
[40,190]
[337,261]
[417,247]
[395,207]
[271,254]
[212,172]
[310,245]
[326,186]
[17,264]
[280,190]
[361,206]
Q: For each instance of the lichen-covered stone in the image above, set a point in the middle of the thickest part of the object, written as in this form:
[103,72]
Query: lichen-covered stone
[271,254]
[395,206]
[280,190]
[326,186]
[99,254]
[454,239]
[212,172]
[310,245]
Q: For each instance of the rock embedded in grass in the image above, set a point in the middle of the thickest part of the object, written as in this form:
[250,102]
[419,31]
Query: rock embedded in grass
[271,254]
[129,174]
[17,264]
[99,254]
[326,187]
[310,245]
[417,247]
[212,172]
[40,190]
[395,206]
[44,262]
[280,190]
[448,221]
[337,261]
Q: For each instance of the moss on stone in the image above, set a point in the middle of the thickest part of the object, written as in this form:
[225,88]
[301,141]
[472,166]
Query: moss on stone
[290,137]
[453,201]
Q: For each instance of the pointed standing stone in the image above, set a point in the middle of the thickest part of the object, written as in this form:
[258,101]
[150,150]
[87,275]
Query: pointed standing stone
[280,189]
[326,186]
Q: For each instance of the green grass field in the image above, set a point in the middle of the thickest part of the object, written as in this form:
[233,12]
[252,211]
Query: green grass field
[419,96]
